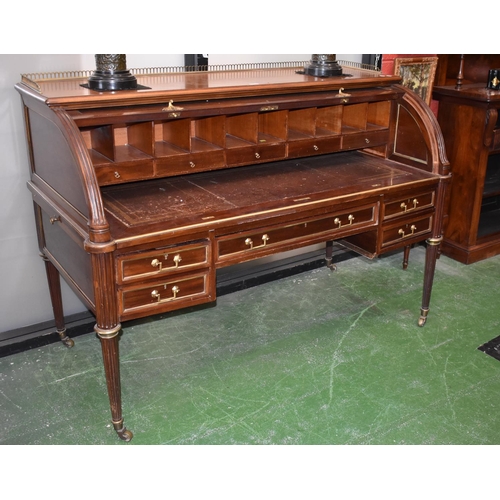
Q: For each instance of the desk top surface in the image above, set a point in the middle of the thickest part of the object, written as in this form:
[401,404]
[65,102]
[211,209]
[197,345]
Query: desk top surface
[202,199]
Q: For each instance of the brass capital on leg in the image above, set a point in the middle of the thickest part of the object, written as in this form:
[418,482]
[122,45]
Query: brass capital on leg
[110,333]
[434,241]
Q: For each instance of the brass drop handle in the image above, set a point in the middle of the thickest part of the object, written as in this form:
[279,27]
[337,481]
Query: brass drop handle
[192,164]
[402,232]
[257,155]
[155,294]
[350,218]
[315,148]
[249,242]
[367,140]
[159,264]
[117,175]
[405,208]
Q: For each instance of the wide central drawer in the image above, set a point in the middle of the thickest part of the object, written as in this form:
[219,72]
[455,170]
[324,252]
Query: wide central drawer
[272,239]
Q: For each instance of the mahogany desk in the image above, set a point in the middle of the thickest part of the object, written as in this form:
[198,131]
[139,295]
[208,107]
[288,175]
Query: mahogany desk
[141,195]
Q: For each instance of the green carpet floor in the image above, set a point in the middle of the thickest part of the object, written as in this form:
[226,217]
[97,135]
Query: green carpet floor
[320,358]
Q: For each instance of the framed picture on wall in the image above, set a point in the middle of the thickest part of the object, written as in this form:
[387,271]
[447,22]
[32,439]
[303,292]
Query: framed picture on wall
[417,73]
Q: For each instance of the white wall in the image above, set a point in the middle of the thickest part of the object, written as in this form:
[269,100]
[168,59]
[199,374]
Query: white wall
[24,298]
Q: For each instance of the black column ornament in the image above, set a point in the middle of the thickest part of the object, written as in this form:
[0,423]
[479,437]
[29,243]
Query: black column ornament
[323,65]
[111,73]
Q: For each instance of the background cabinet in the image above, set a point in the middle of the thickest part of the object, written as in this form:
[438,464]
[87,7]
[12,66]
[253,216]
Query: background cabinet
[468,117]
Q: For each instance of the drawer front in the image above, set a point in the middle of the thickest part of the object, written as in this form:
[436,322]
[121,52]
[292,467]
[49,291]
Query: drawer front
[162,296]
[311,147]
[124,172]
[162,262]
[407,231]
[255,154]
[408,204]
[366,139]
[190,163]
[269,240]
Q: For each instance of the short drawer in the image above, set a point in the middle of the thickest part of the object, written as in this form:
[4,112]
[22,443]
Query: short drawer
[311,147]
[365,139]
[407,231]
[402,206]
[278,238]
[162,296]
[255,154]
[159,262]
[190,163]
[116,173]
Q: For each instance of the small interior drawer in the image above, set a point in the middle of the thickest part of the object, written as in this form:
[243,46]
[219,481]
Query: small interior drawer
[116,173]
[255,154]
[313,146]
[190,163]
[160,262]
[365,139]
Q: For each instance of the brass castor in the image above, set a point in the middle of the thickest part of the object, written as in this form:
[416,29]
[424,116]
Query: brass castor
[67,341]
[423,317]
[123,433]
[330,265]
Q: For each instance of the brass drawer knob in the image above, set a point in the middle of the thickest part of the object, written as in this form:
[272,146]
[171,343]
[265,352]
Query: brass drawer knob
[157,263]
[177,260]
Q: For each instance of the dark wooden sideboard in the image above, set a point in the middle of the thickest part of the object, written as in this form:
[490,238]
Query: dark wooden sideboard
[141,195]
[468,115]
[470,121]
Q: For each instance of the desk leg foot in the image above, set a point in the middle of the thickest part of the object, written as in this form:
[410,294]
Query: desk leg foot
[67,341]
[423,317]
[329,255]
[123,433]
[331,265]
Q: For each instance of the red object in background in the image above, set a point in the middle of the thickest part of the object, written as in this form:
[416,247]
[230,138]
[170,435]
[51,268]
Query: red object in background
[388,69]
